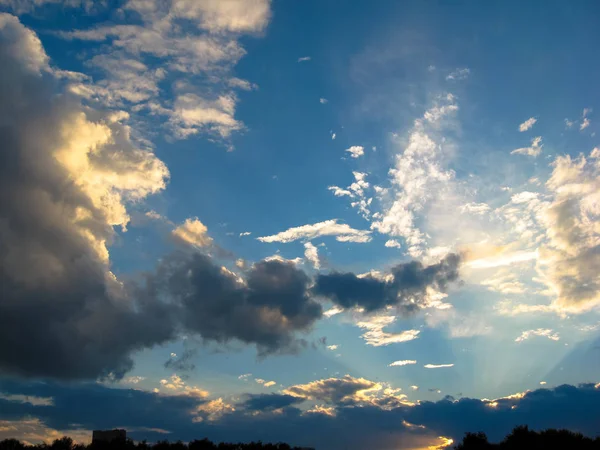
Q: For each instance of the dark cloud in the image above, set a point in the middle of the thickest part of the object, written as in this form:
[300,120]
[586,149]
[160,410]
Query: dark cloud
[407,288]
[266,310]
[335,391]
[90,406]
[182,363]
[266,402]
[61,311]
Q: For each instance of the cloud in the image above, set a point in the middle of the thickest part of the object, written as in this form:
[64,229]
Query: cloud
[244,376]
[342,232]
[356,151]
[458,74]
[368,412]
[585,121]
[68,175]
[333,135]
[323,101]
[265,383]
[377,337]
[304,59]
[312,254]
[193,232]
[417,179]
[408,287]
[333,347]
[528,124]
[392,243]
[569,123]
[150,45]
[534,150]
[405,362]
[356,191]
[266,309]
[437,366]
[479,209]
[542,332]
[245,233]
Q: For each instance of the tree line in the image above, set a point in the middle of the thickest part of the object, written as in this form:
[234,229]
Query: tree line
[521,438]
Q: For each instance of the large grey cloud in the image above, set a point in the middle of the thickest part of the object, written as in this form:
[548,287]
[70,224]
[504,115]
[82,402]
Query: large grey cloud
[265,309]
[63,313]
[407,288]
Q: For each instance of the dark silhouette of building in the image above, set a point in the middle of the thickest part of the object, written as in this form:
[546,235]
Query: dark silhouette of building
[109,435]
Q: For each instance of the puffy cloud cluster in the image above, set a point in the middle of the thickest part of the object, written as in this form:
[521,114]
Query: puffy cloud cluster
[408,288]
[569,262]
[367,411]
[67,174]
[188,45]
[342,232]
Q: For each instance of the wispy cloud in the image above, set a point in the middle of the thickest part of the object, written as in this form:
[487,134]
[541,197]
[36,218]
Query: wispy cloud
[342,232]
[404,362]
[533,150]
[528,124]
[304,59]
[458,74]
[542,332]
[437,366]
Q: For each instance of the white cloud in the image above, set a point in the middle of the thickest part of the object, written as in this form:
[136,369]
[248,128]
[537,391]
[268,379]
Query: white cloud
[333,347]
[414,387]
[333,311]
[458,74]
[534,150]
[339,192]
[244,376]
[177,384]
[280,258]
[193,232]
[333,135]
[265,383]
[542,332]
[356,191]
[392,243]
[437,366]
[475,208]
[569,123]
[542,383]
[134,379]
[356,151]
[343,233]
[585,121]
[402,363]
[245,233]
[312,254]
[528,124]
[323,100]
[377,337]
[304,59]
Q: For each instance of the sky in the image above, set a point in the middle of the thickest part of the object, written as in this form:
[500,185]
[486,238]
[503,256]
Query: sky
[336,224]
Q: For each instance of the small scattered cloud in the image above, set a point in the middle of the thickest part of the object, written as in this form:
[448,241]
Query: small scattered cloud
[311,254]
[393,243]
[323,101]
[356,151]
[193,232]
[134,379]
[569,123]
[245,233]
[458,74]
[528,124]
[304,59]
[534,150]
[333,136]
[265,383]
[542,332]
[333,347]
[404,362]
[414,387]
[245,376]
[585,121]
[437,366]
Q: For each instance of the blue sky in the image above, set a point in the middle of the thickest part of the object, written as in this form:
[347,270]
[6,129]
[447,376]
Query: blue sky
[223,200]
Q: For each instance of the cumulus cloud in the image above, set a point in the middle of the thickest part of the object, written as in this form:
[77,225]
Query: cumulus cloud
[356,191]
[266,309]
[528,124]
[533,150]
[343,233]
[149,46]
[368,412]
[193,232]
[392,243]
[356,151]
[311,253]
[404,362]
[542,332]
[68,174]
[408,288]
[585,121]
